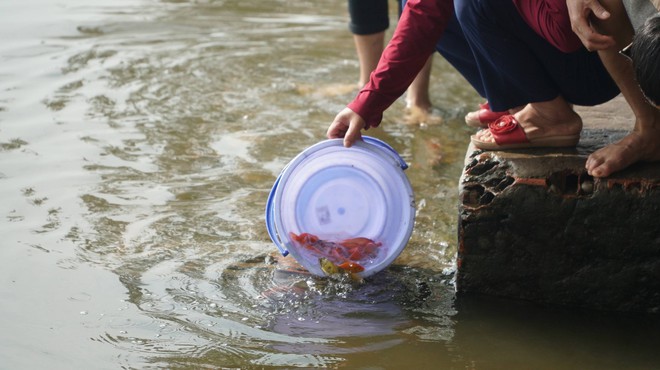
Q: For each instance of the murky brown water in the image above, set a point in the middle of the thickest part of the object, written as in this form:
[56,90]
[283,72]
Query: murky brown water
[138,143]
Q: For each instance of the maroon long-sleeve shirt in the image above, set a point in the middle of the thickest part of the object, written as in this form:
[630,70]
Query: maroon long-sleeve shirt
[420,27]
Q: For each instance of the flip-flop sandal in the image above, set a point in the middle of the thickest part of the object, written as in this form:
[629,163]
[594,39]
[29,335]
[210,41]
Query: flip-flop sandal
[508,134]
[484,116]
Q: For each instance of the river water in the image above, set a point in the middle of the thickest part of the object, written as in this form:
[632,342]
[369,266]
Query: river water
[138,143]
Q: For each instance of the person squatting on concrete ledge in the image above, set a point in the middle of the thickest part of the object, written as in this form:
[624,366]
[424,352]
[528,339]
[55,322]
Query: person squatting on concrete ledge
[524,59]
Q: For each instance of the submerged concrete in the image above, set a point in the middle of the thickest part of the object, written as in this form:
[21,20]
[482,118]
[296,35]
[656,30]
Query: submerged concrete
[533,225]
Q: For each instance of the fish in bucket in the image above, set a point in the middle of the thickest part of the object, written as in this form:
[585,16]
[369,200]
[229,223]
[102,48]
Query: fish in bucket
[342,210]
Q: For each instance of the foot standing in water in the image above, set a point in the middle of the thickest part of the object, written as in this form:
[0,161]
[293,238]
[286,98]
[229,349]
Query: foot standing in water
[369,19]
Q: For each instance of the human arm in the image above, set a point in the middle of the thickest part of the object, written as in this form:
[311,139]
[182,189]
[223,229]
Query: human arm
[642,143]
[579,12]
[420,26]
[621,70]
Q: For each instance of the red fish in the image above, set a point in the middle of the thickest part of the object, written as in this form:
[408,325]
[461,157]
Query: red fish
[313,243]
[360,248]
[345,254]
[351,267]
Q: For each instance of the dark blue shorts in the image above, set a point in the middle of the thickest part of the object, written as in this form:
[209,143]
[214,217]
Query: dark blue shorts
[369,16]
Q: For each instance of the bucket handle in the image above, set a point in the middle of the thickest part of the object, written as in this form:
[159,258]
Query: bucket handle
[270,223]
[388,148]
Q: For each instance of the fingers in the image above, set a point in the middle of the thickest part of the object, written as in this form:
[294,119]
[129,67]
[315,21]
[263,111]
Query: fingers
[580,11]
[336,130]
[347,125]
[598,10]
[340,125]
[591,39]
[596,41]
[353,132]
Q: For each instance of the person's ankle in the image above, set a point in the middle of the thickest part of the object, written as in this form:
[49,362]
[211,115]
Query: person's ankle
[557,110]
[423,104]
[515,109]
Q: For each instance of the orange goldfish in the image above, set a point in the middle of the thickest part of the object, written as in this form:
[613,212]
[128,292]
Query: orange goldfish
[343,255]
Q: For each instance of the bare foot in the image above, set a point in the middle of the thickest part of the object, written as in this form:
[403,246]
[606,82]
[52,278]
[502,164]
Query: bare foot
[544,119]
[418,100]
[633,148]
[416,115]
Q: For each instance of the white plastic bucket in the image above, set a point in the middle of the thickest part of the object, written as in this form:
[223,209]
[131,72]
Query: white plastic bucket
[338,193]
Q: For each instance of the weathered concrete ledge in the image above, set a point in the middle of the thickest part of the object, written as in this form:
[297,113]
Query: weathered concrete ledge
[533,225]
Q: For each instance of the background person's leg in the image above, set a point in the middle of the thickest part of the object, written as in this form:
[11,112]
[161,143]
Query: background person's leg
[368,21]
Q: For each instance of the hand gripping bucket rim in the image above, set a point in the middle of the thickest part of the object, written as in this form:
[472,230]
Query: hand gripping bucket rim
[339,193]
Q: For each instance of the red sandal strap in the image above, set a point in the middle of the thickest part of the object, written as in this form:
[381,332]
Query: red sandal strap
[506,130]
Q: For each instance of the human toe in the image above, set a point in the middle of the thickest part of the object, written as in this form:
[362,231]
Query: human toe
[484,135]
[599,165]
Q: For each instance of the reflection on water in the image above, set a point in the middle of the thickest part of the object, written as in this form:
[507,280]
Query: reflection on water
[138,143]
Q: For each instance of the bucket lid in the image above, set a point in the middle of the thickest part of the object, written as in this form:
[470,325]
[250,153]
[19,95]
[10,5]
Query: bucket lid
[338,193]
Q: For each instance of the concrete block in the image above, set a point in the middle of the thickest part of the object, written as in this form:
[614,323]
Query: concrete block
[534,226]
